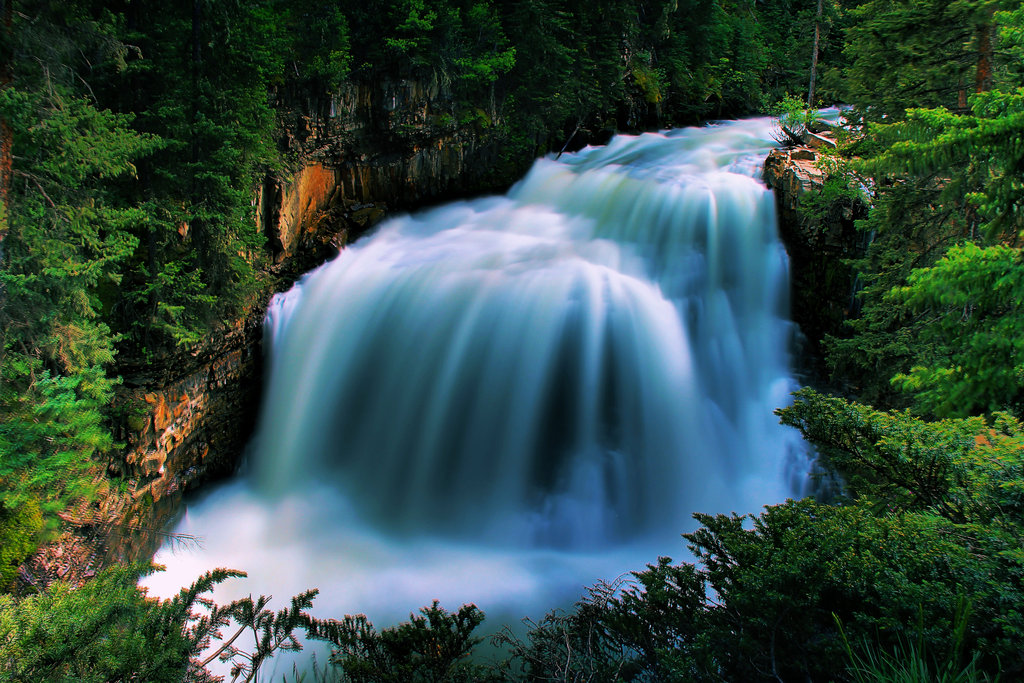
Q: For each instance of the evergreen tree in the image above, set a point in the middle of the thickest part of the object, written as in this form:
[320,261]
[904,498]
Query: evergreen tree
[918,53]
[109,630]
[69,239]
[940,179]
[209,99]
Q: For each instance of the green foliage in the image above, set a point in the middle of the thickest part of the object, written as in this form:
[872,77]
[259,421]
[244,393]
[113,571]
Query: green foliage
[414,22]
[648,627]
[208,98]
[780,583]
[715,58]
[69,240]
[460,46]
[489,55]
[978,156]
[19,531]
[321,36]
[787,28]
[830,202]
[915,53]
[963,470]
[651,81]
[110,630]
[180,319]
[911,663]
[923,548]
[70,232]
[940,179]
[966,472]
[792,117]
[432,646]
[107,630]
[274,631]
[968,356]
[51,433]
[762,599]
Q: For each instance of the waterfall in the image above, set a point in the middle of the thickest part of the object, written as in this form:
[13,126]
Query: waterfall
[590,358]
[526,387]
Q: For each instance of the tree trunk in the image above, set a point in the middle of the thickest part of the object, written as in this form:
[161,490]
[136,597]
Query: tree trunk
[983,77]
[814,53]
[196,225]
[6,133]
[197,19]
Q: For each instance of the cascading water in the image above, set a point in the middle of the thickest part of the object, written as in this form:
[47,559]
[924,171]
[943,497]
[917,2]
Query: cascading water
[505,399]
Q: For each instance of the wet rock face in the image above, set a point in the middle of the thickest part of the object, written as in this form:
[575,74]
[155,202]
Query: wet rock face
[299,203]
[368,150]
[192,427]
[182,422]
[822,284]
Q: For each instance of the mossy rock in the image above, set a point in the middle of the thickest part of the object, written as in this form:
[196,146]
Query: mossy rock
[136,422]
[20,530]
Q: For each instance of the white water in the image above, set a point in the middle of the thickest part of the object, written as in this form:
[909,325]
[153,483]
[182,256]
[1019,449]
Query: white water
[503,400]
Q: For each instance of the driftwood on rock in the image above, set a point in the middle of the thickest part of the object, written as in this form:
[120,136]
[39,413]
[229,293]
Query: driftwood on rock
[816,141]
[794,138]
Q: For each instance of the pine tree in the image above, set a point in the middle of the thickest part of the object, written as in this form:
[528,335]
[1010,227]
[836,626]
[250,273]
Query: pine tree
[943,178]
[70,236]
[918,53]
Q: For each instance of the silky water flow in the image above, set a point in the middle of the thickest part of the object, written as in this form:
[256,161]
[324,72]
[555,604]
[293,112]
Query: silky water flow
[504,400]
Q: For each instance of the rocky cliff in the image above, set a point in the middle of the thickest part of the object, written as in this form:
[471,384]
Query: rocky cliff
[176,430]
[182,423]
[818,241]
[369,150]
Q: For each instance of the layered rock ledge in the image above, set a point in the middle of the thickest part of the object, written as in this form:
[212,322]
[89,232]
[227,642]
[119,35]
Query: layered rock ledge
[819,243]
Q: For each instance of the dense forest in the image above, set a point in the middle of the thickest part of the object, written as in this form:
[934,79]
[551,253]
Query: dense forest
[133,136]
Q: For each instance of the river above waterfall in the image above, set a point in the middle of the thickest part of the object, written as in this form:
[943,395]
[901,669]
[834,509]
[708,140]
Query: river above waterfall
[504,400]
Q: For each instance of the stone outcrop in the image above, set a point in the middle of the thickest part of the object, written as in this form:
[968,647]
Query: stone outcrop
[792,174]
[183,421]
[369,150]
[191,427]
[817,241]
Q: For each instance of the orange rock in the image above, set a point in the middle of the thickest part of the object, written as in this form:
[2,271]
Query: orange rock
[162,416]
